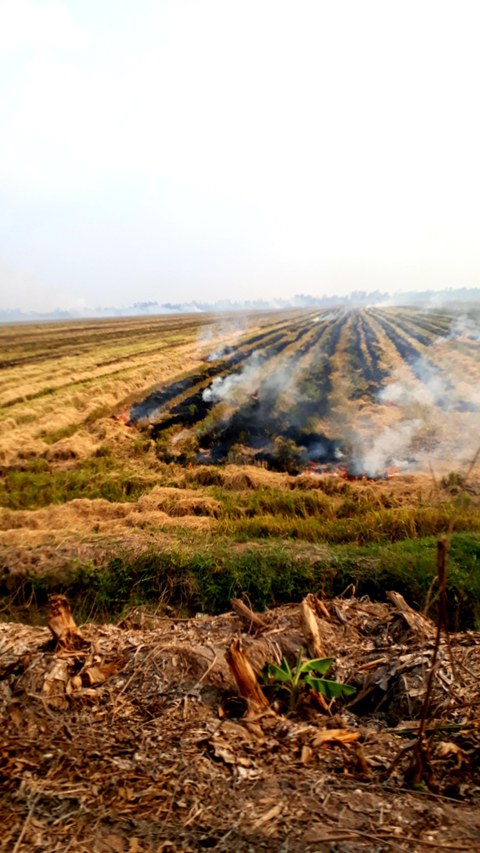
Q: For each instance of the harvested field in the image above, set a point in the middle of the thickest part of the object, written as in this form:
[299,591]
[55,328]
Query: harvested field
[374,388]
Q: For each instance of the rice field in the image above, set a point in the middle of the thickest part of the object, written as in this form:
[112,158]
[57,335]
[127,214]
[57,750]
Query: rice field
[293,430]
[367,390]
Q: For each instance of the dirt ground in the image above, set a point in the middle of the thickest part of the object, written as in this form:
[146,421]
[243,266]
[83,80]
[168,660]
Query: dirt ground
[138,741]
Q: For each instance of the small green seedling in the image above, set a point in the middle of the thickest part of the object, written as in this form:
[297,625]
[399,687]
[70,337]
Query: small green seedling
[303,676]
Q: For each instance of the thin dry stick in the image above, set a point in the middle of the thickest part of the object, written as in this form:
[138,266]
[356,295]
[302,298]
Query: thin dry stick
[351,834]
[430,597]
[421,768]
[359,837]
[472,466]
[442,569]
[25,825]
[209,668]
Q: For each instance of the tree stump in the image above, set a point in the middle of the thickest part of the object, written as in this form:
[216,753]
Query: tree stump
[311,630]
[244,675]
[63,627]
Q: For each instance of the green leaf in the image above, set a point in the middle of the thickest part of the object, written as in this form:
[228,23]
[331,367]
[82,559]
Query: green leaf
[330,689]
[279,673]
[319,665]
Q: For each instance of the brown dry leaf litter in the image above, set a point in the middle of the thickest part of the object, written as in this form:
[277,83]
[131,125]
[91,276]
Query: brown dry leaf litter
[128,743]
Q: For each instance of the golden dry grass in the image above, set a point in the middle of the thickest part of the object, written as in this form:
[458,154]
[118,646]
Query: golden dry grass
[49,384]
[87,518]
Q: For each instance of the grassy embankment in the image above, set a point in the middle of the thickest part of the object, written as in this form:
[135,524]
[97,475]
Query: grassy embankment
[218,533]
[192,577]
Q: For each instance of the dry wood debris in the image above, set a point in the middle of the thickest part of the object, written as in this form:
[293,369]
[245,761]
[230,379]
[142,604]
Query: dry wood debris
[136,740]
[310,628]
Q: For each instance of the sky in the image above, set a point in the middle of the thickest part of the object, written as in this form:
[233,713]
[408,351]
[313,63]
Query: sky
[172,150]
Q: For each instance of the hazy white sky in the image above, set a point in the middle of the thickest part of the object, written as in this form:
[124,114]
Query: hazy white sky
[198,149]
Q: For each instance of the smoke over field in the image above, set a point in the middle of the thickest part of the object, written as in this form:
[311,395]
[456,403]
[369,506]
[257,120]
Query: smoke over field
[96,415]
[361,393]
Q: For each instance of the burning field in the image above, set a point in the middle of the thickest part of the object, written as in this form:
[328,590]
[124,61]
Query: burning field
[192,433]
[352,393]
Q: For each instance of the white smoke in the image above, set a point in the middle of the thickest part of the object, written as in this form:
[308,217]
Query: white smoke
[400,393]
[389,448]
[227,388]
[328,316]
[433,415]
[216,354]
[213,394]
[222,333]
[430,388]
[281,383]
[463,329]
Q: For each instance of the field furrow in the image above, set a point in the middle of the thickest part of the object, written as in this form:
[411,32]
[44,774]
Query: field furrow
[249,406]
[228,361]
[284,390]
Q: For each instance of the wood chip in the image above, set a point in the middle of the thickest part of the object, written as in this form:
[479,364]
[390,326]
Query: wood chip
[326,736]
